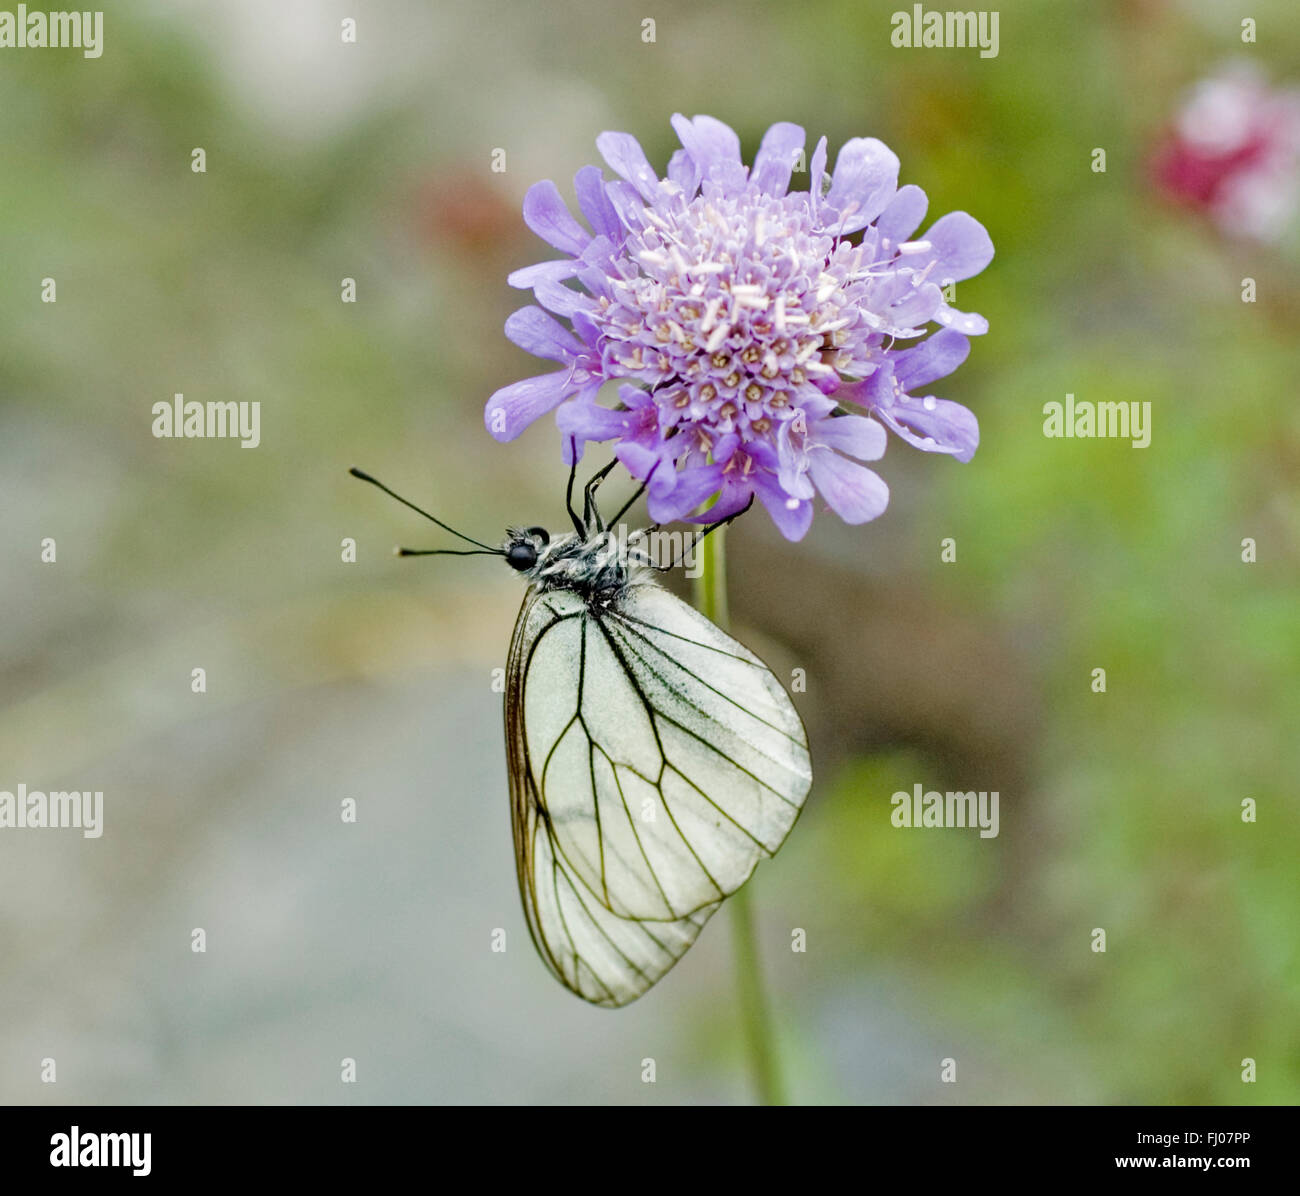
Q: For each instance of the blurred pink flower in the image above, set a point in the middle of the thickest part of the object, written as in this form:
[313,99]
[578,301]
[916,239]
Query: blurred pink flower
[1233,153]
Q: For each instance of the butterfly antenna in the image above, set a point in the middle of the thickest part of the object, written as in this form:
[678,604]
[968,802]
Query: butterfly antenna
[446,552]
[487,548]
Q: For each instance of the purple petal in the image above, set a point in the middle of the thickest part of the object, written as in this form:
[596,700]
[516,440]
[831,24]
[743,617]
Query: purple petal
[589,186]
[627,159]
[587,329]
[792,467]
[563,301]
[734,495]
[918,308]
[865,180]
[652,466]
[971,323]
[512,408]
[816,405]
[590,421]
[634,397]
[853,434]
[941,427]
[724,448]
[597,266]
[763,454]
[683,171]
[627,203]
[693,486]
[855,493]
[546,213]
[715,148]
[874,391]
[817,172]
[792,522]
[774,161]
[960,248]
[935,357]
[534,331]
[732,500]
[903,214]
[529,276]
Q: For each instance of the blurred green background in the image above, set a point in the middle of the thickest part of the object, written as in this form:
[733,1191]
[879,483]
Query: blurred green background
[372,680]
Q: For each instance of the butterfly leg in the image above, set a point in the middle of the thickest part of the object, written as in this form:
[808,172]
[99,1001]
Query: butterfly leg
[695,540]
[591,516]
[623,510]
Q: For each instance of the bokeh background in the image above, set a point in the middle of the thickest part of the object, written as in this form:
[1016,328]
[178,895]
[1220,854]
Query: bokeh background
[373,680]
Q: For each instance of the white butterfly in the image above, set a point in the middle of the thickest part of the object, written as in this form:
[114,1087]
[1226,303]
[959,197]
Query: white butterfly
[653,760]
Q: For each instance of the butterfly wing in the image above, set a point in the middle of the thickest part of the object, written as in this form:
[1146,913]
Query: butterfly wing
[653,762]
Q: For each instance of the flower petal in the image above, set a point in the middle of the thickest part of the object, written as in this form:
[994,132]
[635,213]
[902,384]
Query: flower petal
[627,203]
[546,213]
[816,173]
[652,466]
[970,323]
[691,488]
[590,421]
[563,301]
[917,309]
[683,170]
[935,357]
[903,214]
[792,516]
[534,331]
[512,408]
[865,180]
[853,434]
[960,247]
[529,276]
[627,159]
[589,186]
[855,493]
[935,426]
[792,464]
[775,159]
[715,148]
[587,329]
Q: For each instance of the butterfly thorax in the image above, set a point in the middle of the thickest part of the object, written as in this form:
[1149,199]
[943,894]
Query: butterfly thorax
[596,566]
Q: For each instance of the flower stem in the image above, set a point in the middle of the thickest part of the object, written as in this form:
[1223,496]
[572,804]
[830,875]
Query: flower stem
[711,599]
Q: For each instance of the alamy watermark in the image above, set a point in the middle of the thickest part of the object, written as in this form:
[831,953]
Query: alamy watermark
[23,30]
[922,809]
[946,28]
[84,1148]
[1122,421]
[663,549]
[57,810]
[218,420]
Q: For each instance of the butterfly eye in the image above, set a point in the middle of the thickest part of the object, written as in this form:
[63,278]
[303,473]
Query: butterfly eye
[521,556]
[541,535]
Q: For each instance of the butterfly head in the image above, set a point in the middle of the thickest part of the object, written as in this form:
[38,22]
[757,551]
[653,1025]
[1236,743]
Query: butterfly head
[525,547]
[596,561]
[596,565]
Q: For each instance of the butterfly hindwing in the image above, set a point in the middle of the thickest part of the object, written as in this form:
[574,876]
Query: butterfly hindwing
[653,762]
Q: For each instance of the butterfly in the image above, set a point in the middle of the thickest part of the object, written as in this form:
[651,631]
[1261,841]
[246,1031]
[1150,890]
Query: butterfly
[653,760]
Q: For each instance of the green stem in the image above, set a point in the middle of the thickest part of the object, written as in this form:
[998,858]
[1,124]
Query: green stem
[711,598]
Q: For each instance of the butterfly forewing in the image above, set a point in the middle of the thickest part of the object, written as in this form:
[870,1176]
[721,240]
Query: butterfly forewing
[653,762]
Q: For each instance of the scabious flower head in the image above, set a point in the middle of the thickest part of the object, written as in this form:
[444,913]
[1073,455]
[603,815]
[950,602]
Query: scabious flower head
[1233,153]
[755,330]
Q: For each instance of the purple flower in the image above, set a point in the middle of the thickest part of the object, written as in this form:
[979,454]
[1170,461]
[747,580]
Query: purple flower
[755,330]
